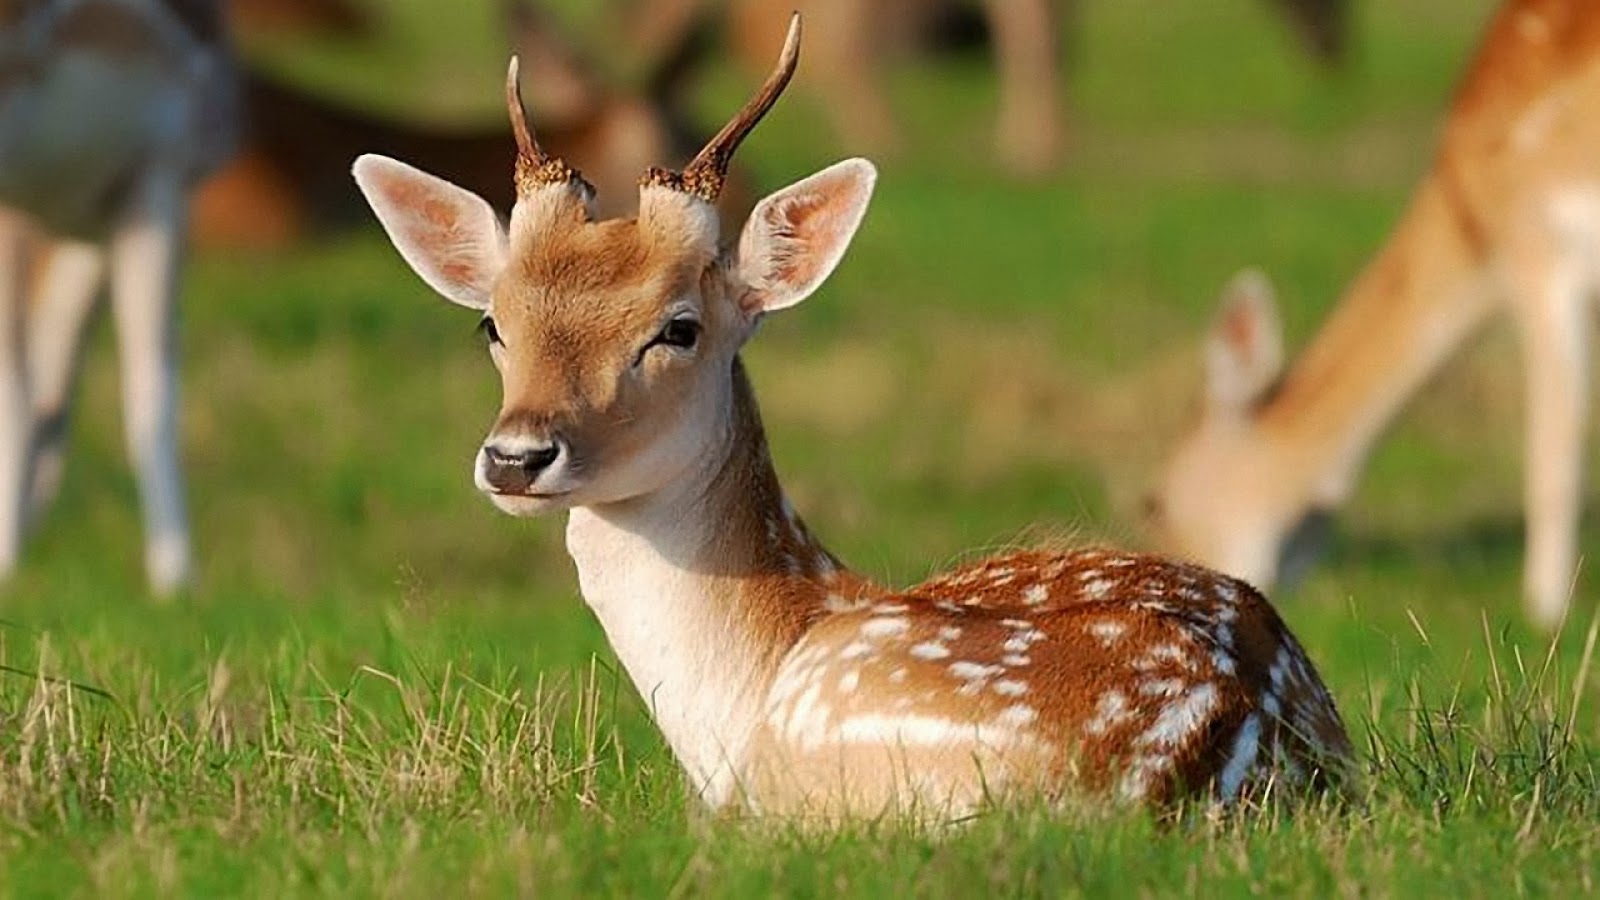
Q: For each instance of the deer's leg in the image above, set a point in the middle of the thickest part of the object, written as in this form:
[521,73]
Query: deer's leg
[144,267]
[1028,134]
[15,420]
[1551,296]
[65,294]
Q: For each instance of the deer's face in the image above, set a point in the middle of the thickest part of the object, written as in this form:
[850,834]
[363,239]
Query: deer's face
[614,343]
[1215,505]
[1227,498]
[615,340]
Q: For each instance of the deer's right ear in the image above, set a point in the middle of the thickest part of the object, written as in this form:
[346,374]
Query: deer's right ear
[449,235]
[1244,352]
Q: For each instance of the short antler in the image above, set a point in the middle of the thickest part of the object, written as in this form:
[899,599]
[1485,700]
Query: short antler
[534,168]
[704,176]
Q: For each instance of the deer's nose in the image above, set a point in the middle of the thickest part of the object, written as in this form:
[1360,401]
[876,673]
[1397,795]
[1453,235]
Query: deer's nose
[513,468]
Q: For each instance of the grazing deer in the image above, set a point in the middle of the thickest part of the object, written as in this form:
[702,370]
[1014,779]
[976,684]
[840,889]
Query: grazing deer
[109,111]
[1508,219]
[782,681]
[292,173]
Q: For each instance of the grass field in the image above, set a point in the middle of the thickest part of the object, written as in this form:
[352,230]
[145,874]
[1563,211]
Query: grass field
[381,686]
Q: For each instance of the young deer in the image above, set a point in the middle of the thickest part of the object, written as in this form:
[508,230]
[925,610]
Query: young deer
[109,111]
[1508,219]
[783,681]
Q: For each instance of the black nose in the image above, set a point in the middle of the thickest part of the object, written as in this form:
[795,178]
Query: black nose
[513,471]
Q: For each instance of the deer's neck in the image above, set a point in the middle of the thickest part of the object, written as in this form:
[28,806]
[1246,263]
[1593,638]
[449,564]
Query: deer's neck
[702,587]
[1425,293]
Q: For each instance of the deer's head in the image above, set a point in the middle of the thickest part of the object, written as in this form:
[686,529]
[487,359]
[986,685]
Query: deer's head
[615,340]
[1225,498]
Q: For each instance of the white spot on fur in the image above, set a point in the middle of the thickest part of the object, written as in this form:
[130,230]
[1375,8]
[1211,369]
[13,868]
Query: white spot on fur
[806,719]
[901,730]
[1097,589]
[971,671]
[1182,718]
[1280,668]
[1169,653]
[848,681]
[1107,630]
[949,633]
[1018,715]
[1010,687]
[1036,594]
[898,676]
[884,627]
[1014,660]
[1241,758]
[890,609]
[1111,711]
[1016,624]
[856,650]
[1271,705]
[930,650]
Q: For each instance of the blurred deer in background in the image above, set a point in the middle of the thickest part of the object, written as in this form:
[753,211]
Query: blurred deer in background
[109,111]
[1507,220]
[783,682]
[856,35]
[293,172]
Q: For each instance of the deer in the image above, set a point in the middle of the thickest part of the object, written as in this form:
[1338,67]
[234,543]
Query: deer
[109,111]
[784,683]
[1506,221]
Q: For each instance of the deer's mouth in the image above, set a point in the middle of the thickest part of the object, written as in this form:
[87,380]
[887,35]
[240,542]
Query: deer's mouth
[524,505]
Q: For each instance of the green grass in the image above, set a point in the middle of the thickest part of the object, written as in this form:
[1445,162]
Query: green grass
[380,686]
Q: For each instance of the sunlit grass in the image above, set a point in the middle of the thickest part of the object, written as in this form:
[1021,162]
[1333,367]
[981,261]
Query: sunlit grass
[380,685]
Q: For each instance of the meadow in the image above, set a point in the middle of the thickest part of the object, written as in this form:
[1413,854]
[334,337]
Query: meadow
[381,686]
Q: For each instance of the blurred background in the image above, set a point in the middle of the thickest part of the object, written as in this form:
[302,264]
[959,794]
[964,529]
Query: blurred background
[1006,353]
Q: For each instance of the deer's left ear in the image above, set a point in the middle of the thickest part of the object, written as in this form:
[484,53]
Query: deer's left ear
[796,236]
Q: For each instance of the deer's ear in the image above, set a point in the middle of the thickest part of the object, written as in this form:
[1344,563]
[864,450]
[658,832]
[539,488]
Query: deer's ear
[1244,352]
[796,236]
[449,235]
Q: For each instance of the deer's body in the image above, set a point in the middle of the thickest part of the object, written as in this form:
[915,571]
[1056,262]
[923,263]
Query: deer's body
[784,682]
[109,110]
[1507,220]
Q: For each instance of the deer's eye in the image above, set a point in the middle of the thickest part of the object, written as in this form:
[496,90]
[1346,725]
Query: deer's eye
[487,327]
[681,333]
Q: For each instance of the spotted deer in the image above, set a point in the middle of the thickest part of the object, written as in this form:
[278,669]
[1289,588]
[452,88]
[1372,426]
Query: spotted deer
[1506,221]
[109,111]
[784,682]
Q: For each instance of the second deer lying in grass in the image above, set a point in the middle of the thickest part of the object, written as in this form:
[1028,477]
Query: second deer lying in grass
[784,682]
